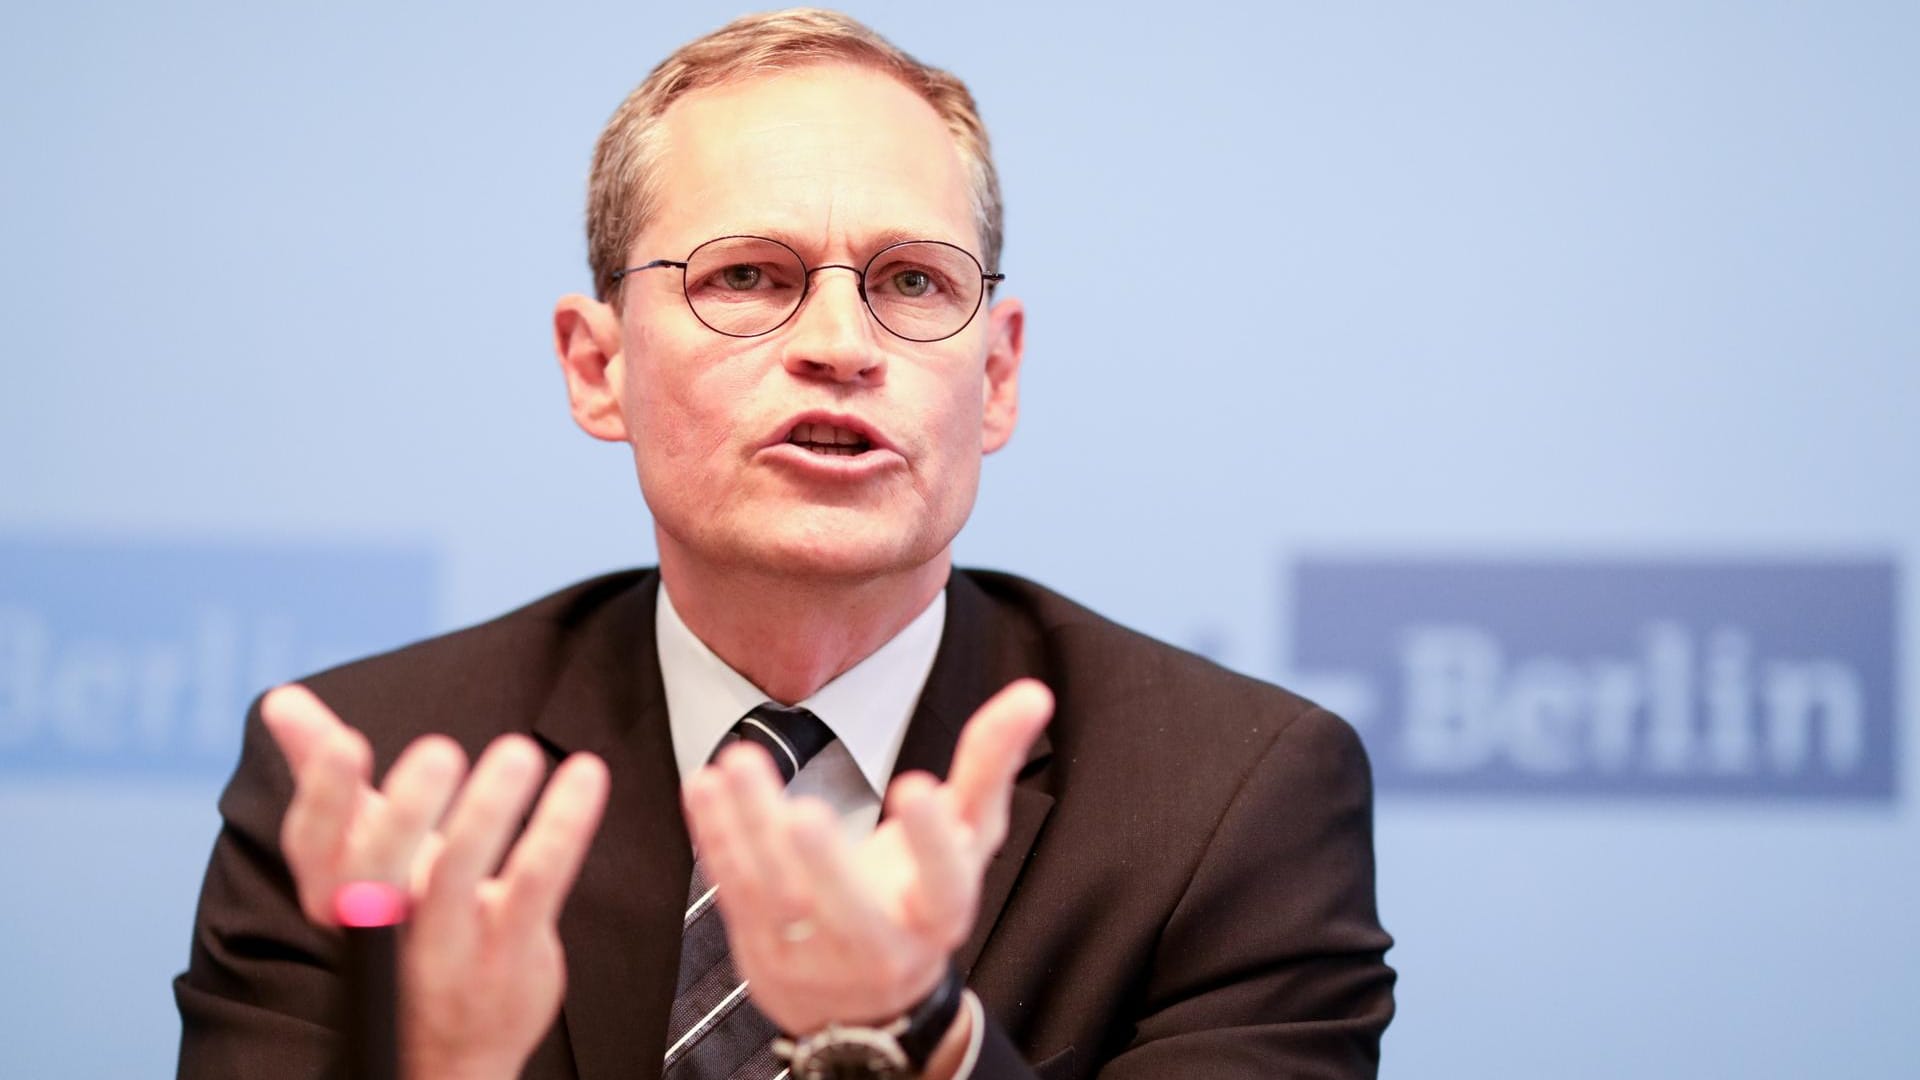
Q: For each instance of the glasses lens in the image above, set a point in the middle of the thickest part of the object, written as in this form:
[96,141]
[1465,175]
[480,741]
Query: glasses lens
[744,285]
[924,290]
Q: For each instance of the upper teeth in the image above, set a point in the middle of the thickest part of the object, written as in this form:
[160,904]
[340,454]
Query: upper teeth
[824,433]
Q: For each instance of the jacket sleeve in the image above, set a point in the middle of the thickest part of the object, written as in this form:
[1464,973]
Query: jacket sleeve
[259,989]
[1272,963]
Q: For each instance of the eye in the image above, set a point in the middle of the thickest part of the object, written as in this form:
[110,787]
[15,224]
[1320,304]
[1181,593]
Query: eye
[909,282]
[912,282]
[740,276]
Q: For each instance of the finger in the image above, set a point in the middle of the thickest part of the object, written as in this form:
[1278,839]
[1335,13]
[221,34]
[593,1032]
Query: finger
[698,794]
[760,810]
[709,809]
[415,794]
[543,866]
[992,748]
[842,907]
[720,844]
[482,823]
[327,795]
[424,861]
[298,721]
[947,879]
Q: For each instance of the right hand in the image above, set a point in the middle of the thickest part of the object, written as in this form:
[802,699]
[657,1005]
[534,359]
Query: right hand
[482,968]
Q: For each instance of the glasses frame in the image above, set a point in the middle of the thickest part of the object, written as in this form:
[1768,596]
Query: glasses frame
[987,282]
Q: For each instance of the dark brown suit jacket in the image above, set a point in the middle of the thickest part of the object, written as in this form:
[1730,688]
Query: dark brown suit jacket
[1186,889]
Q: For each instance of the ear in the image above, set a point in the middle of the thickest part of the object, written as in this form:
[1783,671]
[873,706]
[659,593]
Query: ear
[586,335]
[1006,343]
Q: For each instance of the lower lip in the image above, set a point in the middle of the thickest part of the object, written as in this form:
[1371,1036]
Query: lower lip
[833,466]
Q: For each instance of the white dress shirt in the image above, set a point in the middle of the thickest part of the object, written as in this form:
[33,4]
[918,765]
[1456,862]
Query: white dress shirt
[867,707]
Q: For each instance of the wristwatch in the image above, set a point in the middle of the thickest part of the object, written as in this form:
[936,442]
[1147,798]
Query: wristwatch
[895,1051]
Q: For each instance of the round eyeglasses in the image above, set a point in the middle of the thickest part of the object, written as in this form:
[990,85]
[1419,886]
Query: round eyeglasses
[746,286]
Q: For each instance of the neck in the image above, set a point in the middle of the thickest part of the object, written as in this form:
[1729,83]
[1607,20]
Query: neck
[791,637]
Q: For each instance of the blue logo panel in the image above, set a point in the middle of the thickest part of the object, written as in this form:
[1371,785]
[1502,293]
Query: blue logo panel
[142,658]
[1717,679]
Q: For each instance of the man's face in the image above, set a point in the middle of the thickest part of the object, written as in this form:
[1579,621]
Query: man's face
[837,162]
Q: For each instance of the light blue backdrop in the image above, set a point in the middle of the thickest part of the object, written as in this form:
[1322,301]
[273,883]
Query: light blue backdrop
[1401,281]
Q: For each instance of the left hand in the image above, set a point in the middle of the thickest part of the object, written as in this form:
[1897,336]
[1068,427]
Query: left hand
[827,931]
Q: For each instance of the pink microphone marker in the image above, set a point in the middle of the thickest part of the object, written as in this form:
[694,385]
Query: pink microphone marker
[370,903]
[370,914]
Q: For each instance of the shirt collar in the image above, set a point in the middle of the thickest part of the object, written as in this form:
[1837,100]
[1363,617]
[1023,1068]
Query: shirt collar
[867,706]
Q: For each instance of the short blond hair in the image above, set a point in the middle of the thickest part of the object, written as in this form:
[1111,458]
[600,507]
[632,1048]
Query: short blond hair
[623,191]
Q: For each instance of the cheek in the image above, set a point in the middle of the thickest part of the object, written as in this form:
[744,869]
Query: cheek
[959,416]
[684,405]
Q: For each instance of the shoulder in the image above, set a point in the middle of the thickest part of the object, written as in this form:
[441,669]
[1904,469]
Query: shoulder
[1107,664]
[1158,721]
[492,677]
[1169,772]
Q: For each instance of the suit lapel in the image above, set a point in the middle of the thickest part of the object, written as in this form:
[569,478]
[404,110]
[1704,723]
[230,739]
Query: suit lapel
[979,654]
[621,926]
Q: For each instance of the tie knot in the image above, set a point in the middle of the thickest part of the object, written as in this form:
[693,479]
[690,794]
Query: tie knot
[792,736]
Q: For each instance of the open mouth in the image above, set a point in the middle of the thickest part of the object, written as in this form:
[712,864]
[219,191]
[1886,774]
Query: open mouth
[829,439]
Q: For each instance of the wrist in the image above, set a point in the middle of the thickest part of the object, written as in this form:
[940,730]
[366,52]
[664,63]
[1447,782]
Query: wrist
[447,1067]
[462,1073]
[956,1048]
[932,1039]
[459,1074]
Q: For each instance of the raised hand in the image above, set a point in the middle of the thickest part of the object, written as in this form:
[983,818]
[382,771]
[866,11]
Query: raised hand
[482,969]
[824,930]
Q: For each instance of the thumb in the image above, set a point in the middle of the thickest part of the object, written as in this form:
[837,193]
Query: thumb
[992,748]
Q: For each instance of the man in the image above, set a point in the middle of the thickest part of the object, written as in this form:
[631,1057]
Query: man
[794,230]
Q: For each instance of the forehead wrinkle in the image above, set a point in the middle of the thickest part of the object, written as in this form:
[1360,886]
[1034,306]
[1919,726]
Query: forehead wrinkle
[839,213]
[830,212]
[810,179]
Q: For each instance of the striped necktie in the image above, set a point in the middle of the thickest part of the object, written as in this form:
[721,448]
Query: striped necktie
[714,1032]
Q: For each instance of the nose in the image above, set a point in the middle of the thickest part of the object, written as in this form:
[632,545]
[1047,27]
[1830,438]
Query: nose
[832,336]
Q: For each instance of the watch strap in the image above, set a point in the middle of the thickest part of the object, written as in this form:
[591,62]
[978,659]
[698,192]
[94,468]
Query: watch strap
[899,1048]
[927,1023]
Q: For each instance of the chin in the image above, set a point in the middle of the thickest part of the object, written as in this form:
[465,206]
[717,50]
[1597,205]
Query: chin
[840,557]
[833,544]
[811,540]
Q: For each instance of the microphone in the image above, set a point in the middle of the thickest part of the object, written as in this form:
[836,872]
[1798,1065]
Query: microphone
[371,914]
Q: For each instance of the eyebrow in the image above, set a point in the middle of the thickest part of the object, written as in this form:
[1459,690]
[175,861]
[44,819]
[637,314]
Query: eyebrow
[886,237]
[868,243]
